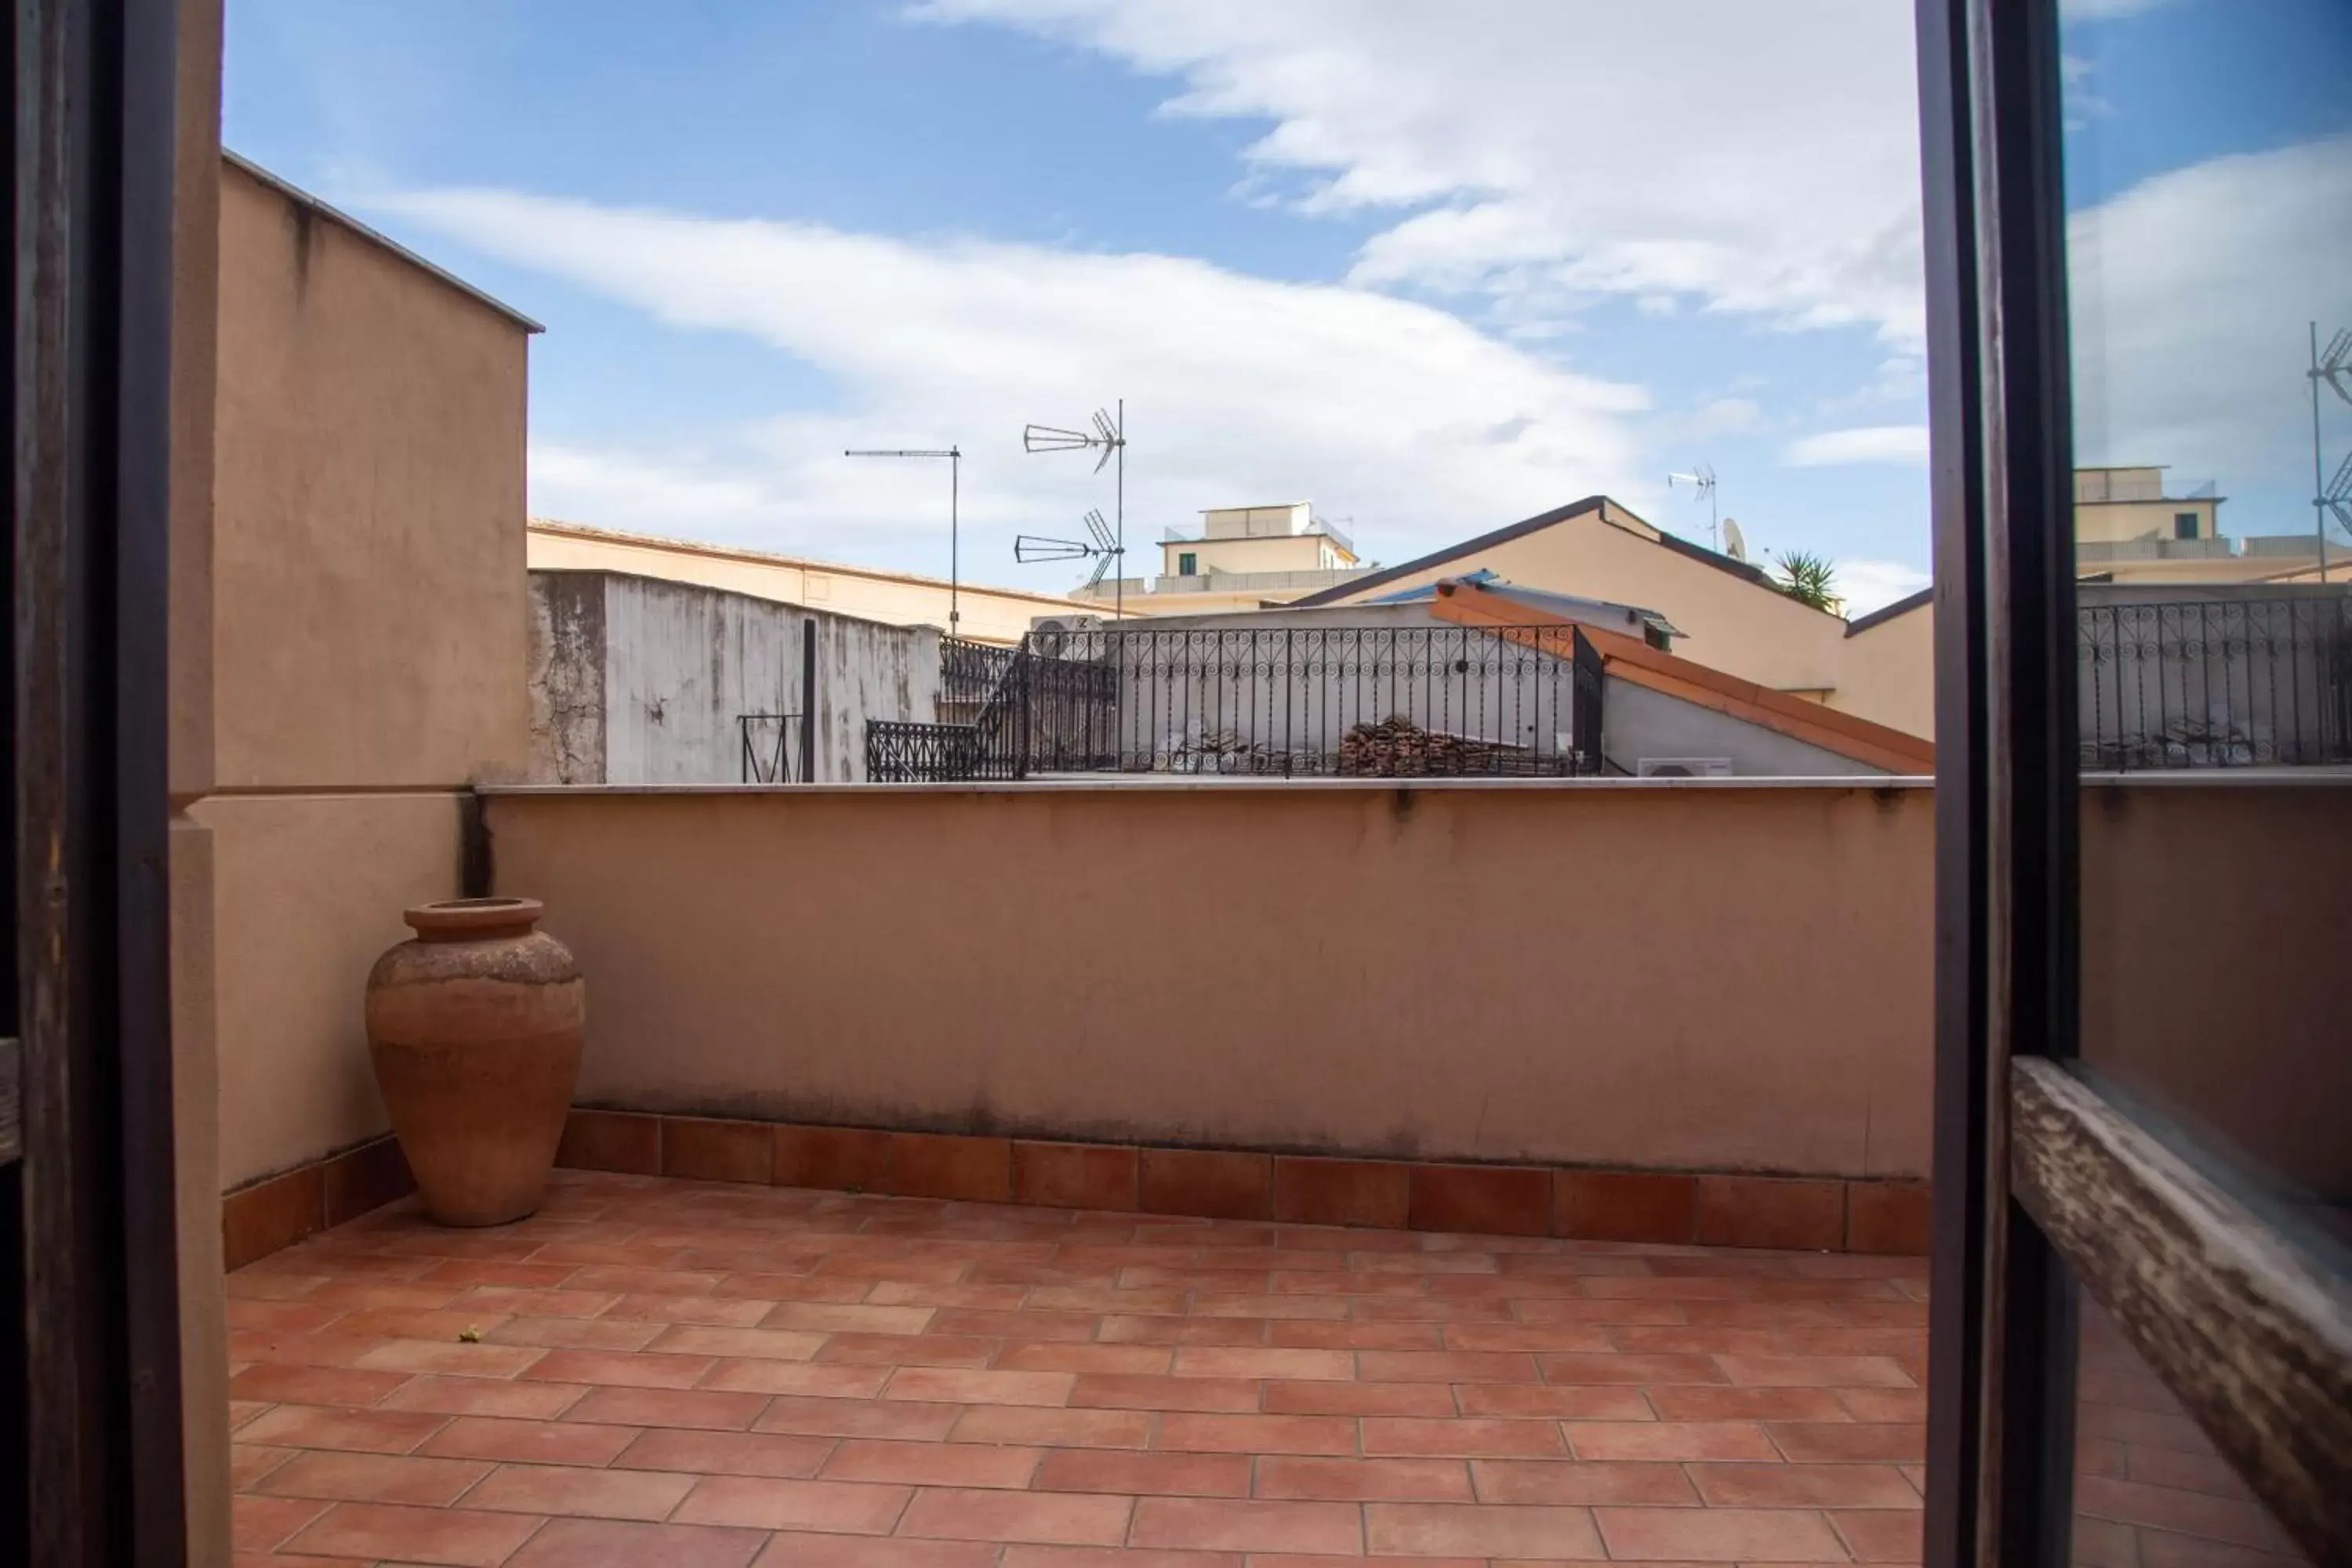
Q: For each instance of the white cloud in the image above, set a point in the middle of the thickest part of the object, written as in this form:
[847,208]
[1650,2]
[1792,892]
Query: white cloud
[1870,443]
[1758,158]
[1417,425]
[2191,296]
[1868,586]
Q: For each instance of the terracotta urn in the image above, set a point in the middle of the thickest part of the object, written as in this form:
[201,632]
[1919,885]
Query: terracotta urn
[475,1027]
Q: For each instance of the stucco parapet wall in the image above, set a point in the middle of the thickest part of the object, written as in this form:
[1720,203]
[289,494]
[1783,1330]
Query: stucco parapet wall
[1186,784]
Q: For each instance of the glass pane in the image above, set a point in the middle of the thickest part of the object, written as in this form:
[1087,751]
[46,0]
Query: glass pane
[2209,191]
[2149,1491]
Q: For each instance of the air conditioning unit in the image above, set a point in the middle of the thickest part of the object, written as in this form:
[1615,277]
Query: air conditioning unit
[1682,768]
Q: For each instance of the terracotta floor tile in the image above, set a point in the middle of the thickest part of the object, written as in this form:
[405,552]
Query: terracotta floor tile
[841,1507]
[484,1397]
[1228,1361]
[777,1455]
[1464,1439]
[515,1300]
[1115,1360]
[1554,1337]
[622,1279]
[313,1385]
[933,1464]
[617,1369]
[1692,1401]
[1363,1480]
[575,1492]
[1803,1486]
[826,1381]
[454,1536]
[1884,1404]
[1834,1441]
[1825,1372]
[281,1347]
[454,1358]
[963,1385]
[1446,1366]
[248,1462]
[1142,1474]
[1582,1483]
[1616,1367]
[1189,1433]
[1572,1402]
[821,1417]
[1315,1334]
[792,1549]
[1017,1555]
[697,1407]
[373,1478]
[1323,1398]
[1054,1428]
[1006,1322]
[609,1543]
[259,1523]
[1219,1525]
[1672,1440]
[507,1440]
[1161,1329]
[1125,1392]
[1050,1518]
[964,1351]
[574,1333]
[1718,1535]
[482,1271]
[1881,1537]
[827,1317]
[1565,1534]
[300,1316]
[716,1311]
[362,1431]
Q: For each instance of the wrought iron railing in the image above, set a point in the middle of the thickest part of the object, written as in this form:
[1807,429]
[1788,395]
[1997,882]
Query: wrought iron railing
[2215,683]
[774,750]
[1316,701]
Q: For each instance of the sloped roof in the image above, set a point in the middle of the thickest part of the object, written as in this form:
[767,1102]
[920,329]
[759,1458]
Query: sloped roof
[1513,616]
[1886,613]
[1542,521]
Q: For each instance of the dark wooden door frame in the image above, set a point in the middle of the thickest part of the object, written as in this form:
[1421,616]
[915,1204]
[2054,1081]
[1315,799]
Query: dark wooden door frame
[1999,1444]
[91,151]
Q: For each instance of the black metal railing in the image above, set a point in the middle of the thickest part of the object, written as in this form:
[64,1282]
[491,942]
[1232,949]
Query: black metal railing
[2215,683]
[774,747]
[1376,702]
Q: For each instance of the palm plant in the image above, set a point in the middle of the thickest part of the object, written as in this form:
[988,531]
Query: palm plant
[1811,579]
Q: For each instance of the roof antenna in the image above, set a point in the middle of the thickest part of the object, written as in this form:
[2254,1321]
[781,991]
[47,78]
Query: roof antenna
[1702,480]
[1108,435]
[1103,551]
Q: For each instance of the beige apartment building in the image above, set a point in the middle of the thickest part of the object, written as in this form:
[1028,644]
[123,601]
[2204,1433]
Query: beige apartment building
[1242,558]
[2133,525]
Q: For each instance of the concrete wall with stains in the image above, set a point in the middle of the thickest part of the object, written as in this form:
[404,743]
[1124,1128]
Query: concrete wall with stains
[640,681]
[1680,975]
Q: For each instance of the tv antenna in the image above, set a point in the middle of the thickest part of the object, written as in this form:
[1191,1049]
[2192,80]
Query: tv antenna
[1103,549]
[1108,435]
[2329,497]
[1702,480]
[954,455]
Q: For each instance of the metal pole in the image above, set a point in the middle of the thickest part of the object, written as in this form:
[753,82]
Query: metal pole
[955,505]
[2318,476]
[808,700]
[1119,584]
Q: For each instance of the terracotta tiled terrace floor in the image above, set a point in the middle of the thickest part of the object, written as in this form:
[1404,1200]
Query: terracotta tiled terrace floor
[675,1372]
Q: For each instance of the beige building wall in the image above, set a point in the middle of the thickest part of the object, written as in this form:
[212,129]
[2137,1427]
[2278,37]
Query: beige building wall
[361,611]
[1890,672]
[1728,624]
[898,599]
[1681,976]
[2113,522]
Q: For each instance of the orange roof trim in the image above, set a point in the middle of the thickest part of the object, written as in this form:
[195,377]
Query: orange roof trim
[1629,659]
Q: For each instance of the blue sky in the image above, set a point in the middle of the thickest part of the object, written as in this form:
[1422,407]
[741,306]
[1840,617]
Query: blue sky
[1434,269]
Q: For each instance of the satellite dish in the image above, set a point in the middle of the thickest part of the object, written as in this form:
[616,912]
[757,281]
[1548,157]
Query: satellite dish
[1735,544]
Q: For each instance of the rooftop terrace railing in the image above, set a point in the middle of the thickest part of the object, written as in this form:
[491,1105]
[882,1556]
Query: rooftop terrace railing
[1366,703]
[2215,683]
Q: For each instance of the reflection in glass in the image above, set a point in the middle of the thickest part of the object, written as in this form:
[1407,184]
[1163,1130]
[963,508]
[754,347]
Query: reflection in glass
[2208,160]
[2149,1491]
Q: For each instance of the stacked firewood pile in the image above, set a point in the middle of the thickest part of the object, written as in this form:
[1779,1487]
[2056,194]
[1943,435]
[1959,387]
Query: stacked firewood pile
[1397,748]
